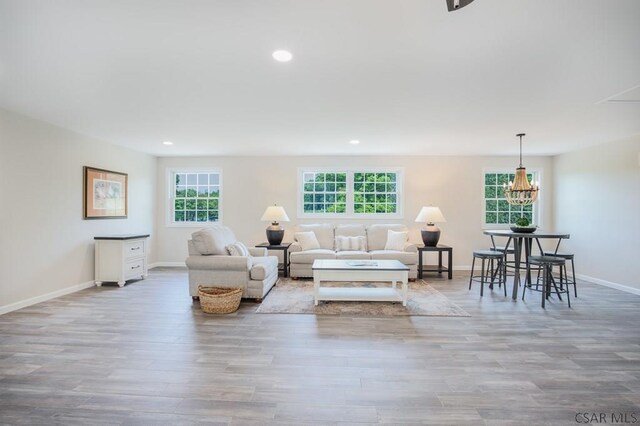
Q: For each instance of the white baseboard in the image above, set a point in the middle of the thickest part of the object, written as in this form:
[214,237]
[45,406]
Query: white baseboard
[167,264]
[609,284]
[38,299]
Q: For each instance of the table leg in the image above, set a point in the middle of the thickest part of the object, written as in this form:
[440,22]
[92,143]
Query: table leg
[517,248]
[527,252]
[316,287]
[450,262]
[286,264]
[405,290]
[420,254]
[440,262]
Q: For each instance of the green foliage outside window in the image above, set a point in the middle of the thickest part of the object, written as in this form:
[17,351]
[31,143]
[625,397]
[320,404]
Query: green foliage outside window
[497,209]
[374,193]
[196,197]
[324,192]
[327,192]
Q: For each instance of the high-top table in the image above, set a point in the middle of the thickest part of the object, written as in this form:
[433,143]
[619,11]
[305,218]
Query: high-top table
[519,238]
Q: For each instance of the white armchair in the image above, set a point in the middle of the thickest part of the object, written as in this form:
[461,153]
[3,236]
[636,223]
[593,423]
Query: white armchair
[209,264]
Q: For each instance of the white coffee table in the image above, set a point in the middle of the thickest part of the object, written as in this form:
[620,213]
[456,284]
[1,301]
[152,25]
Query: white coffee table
[391,271]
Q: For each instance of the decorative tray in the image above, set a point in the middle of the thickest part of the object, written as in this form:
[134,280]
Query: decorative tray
[524,229]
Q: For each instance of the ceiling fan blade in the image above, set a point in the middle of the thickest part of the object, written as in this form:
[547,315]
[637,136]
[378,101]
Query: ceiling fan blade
[457,4]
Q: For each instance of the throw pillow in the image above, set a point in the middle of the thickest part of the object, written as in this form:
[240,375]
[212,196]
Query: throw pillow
[307,240]
[396,240]
[237,249]
[344,243]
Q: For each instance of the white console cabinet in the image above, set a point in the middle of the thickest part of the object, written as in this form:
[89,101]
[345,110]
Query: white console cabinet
[120,258]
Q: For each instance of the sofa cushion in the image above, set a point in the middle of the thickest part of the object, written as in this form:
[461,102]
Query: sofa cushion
[213,240]
[237,249]
[351,243]
[351,254]
[307,240]
[324,234]
[351,231]
[310,255]
[262,267]
[396,240]
[377,235]
[408,258]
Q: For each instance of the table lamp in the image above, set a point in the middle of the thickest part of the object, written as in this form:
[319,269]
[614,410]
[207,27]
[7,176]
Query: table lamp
[275,214]
[431,234]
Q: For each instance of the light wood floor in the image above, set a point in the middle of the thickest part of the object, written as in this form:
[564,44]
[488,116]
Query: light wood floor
[143,354]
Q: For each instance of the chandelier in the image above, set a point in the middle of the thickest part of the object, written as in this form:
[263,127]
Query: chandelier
[521,192]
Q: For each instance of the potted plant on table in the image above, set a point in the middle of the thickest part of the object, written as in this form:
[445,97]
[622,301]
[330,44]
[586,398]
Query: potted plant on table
[523,225]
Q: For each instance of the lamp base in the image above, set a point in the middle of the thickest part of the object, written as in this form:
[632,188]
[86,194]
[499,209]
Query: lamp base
[431,236]
[275,234]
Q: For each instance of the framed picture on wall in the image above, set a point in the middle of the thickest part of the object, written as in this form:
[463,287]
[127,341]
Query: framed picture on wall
[105,194]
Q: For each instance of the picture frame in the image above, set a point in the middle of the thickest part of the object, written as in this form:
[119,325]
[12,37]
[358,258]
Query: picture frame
[105,194]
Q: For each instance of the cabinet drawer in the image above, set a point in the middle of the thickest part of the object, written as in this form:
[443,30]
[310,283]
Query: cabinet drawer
[133,268]
[134,249]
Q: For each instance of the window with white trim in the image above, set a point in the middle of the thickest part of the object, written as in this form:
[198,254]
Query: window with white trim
[497,210]
[350,193]
[195,197]
[324,192]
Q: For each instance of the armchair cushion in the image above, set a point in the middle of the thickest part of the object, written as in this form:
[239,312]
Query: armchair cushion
[219,262]
[213,240]
[262,267]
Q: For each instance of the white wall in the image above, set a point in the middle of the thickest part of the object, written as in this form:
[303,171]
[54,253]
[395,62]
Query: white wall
[46,248]
[597,200]
[250,184]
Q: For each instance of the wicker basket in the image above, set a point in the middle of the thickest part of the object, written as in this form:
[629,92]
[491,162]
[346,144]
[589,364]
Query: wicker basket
[217,300]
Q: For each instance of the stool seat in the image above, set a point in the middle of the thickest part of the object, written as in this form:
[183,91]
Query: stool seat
[504,249]
[488,254]
[562,255]
[546,263]
[540,260]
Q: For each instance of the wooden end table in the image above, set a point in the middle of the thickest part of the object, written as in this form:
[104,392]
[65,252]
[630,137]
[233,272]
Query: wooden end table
[440,248]
[284,247]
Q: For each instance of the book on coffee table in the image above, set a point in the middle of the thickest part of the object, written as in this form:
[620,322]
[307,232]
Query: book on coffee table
[362,263]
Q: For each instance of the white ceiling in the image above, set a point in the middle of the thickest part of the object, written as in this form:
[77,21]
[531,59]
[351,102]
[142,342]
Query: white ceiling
[402,76]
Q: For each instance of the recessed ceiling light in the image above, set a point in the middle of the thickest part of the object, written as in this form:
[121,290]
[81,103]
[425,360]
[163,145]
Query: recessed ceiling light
[167,143]
[354,142]
[282,55]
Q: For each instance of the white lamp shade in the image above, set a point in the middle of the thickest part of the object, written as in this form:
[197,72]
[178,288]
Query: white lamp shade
[430,215]
[275,214]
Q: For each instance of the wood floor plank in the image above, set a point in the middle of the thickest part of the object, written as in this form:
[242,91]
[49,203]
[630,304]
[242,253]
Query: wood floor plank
[145,354]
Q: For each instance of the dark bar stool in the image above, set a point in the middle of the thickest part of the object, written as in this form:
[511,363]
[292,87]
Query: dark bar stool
[546,263]
[563,270]
[507,250]
[494,268]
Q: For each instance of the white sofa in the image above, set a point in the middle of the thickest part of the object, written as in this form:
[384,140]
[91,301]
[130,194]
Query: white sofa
[255,274]
[376,238]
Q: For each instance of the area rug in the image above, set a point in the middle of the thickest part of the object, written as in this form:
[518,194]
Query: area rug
[296,297]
